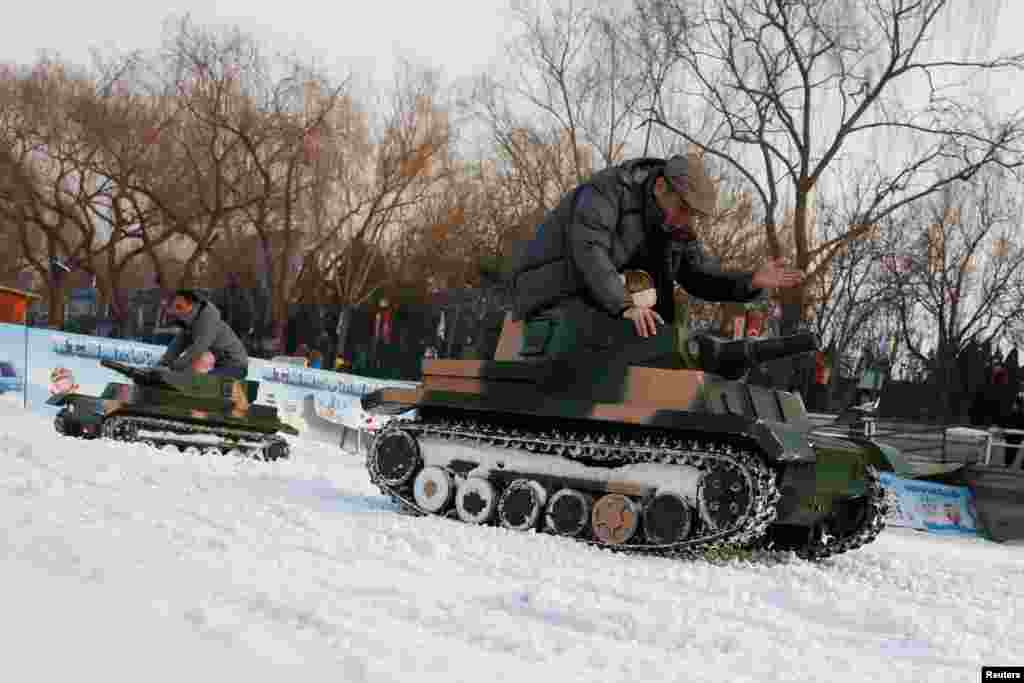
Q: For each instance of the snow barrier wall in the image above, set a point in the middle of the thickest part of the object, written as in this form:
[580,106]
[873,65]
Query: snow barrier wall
[27,355]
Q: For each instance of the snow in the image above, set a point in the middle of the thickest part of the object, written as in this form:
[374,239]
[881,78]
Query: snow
[126,563]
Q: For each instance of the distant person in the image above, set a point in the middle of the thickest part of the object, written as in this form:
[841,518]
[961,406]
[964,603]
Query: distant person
[202,331]
[1015,420]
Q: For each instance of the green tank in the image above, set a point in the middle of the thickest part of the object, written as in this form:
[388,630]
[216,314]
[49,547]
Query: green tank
[162,407]
[629,450]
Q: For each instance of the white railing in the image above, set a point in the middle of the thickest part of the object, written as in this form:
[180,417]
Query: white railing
[990,442]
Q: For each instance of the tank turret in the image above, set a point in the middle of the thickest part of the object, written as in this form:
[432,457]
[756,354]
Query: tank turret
[734,358]
[184,409]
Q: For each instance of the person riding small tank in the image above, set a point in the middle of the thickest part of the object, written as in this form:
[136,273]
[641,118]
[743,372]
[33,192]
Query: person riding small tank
[638,216]
[203,331]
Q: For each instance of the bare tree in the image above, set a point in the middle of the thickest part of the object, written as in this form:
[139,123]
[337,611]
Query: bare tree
[145,193]
[48,188]
[849,296]
[408,163]
[573,93]
[962,272]
[736,240]
[790,89]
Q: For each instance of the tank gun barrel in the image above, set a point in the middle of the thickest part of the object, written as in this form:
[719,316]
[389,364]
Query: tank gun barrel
[147,377]
[733,358]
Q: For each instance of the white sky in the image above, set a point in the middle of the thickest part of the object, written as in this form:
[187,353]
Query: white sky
[459,36]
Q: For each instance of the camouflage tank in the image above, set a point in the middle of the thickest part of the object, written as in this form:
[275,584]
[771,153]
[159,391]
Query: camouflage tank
[629,450]
[183,409]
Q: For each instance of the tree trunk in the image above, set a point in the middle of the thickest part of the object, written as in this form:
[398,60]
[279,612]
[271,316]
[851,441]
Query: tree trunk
[344,322]
[55,305]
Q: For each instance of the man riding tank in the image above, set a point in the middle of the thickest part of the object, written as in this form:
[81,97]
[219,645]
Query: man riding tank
[639,215]
[203,331]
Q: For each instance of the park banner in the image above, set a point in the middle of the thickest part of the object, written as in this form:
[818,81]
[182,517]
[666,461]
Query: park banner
[28,355]
[929,506]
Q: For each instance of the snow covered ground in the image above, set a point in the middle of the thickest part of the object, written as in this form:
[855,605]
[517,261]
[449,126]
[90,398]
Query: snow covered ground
[124,563]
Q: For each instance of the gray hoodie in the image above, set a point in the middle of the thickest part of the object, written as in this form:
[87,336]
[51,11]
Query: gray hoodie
[203,331]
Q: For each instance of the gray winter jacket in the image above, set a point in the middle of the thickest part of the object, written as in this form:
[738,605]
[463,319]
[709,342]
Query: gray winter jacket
[609,224]
[205,331]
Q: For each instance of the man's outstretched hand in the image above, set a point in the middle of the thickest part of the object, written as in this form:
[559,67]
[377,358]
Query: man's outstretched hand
[645,320]
[776,274]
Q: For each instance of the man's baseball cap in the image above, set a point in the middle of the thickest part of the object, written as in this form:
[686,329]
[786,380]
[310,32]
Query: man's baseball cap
[687,176]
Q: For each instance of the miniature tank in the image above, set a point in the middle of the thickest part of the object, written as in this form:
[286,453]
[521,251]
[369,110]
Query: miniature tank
[162,407]
[628,450]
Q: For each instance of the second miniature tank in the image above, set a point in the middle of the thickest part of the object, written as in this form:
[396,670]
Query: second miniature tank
[161,407]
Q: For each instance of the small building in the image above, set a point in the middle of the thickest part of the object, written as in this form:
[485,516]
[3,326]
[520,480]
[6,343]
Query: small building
[14,305]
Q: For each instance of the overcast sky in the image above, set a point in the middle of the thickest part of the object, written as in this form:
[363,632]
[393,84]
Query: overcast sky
[460,36]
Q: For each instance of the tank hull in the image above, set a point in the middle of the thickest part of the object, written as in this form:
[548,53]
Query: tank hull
[742,448]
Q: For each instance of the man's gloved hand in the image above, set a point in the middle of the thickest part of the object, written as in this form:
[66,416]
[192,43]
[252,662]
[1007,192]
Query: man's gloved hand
[645,320]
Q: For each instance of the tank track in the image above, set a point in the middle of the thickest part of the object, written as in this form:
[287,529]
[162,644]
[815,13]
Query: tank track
[613,450]
[124,428]
[866,531]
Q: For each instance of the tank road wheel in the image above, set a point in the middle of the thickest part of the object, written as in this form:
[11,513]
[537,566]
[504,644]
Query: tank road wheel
[615,518]
[521,505]
[568,512]
[724,495]
[65,424]
[476,500]
[117,429]
[433,489]
[848,517]
[275,450]
[397,457]
[667,519]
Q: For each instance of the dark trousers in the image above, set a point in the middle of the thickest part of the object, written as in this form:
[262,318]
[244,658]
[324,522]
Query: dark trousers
[226,371]
[579,332]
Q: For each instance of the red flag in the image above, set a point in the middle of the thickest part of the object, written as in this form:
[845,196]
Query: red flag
[755,323]
[737,326]
[821,370]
